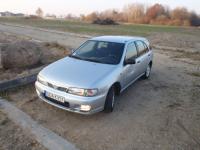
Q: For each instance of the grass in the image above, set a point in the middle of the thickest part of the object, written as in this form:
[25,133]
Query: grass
[87,28]
[55,45]
[6,93]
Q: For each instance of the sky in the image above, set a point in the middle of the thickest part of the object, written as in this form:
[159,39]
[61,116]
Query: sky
[64,7]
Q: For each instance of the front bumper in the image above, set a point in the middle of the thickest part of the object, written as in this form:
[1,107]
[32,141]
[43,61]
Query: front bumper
[96,103]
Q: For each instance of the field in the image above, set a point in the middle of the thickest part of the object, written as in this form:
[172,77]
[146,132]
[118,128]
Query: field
[160,113]
[87,28]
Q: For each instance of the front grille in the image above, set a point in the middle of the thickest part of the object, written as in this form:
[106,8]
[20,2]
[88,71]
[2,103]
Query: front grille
[66,104]
[57,87]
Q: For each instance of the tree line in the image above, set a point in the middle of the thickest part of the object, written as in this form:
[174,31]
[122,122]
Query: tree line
[154,14]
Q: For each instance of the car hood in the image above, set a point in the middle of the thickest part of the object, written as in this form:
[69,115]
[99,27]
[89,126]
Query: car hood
[71,72]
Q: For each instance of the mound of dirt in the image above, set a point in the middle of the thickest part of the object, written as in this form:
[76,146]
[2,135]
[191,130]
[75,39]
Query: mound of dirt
[19,59]
[20,54]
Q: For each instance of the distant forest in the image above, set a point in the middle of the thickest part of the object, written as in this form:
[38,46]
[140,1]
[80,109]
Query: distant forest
[154,14]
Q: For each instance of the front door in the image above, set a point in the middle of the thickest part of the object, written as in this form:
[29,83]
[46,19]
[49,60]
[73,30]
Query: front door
[130,70]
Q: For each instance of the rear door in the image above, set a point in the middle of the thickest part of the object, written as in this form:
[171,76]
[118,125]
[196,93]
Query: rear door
[143,56]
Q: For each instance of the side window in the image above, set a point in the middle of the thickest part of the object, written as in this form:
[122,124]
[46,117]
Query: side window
[131,51]
[140,47]
[145,47]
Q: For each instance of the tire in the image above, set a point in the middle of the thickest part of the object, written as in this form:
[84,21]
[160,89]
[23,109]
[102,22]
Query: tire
[147,72]
[110,100]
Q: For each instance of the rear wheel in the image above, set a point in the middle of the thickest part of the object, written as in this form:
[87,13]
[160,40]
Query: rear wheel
[147,72]
[110,100]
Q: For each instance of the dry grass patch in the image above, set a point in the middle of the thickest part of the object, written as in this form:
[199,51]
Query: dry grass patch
[192,55]
[195,74]
[55,45]
[181,53]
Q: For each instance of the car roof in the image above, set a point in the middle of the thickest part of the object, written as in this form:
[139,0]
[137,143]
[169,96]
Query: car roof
[119,39]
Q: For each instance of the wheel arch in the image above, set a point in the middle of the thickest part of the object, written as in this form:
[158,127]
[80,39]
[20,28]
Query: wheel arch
[117,88]
[151,63]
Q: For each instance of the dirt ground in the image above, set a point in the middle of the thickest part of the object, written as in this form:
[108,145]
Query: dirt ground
[187,42]
[160,113]
[13,138]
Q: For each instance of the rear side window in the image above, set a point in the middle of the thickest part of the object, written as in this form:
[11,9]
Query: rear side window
[142,48]
[131,51]
[146,48]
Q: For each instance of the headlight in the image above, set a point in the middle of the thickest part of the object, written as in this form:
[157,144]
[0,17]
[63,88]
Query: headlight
[83,92]
[41,80]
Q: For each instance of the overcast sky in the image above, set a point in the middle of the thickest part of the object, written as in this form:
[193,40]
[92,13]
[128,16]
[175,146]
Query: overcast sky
[63,7]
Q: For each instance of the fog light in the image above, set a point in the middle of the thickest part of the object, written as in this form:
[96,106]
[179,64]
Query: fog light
[85,107]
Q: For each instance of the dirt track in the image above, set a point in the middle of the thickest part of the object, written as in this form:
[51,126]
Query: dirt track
[160,113]
[68,39]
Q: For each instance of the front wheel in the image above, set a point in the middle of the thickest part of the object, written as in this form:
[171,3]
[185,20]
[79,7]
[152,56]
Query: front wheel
[110,100]
[147,72]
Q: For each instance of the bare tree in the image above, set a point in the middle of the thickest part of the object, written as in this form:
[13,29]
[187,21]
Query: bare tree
[82,17]
[155,11]
[39,12]
[180,16]
[180,13]
[134,12]
[154,14]
[91,17]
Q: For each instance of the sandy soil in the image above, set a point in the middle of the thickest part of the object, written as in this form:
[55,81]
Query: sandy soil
[13,138]
[160,113]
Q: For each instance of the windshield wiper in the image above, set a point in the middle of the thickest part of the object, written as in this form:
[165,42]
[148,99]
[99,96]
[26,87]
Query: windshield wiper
[92,60]
[76,57]
[86,59]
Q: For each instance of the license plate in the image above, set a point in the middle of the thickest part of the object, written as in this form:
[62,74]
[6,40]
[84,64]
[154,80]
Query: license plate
[55,97]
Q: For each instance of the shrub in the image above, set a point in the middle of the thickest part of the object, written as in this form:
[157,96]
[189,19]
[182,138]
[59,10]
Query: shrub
[32,17]
[194,19]
[106,21]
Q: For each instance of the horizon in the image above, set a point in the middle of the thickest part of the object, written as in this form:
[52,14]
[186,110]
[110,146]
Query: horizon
[71,7]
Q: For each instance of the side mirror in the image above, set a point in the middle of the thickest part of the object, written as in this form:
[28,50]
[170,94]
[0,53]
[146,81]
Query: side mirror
[129,62]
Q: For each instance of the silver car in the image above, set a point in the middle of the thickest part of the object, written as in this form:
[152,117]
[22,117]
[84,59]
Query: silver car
[88,80]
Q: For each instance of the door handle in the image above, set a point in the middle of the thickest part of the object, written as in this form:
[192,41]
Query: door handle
[138,61]
[149,55]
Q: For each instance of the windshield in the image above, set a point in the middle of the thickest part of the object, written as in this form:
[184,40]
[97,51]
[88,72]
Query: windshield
[100,52]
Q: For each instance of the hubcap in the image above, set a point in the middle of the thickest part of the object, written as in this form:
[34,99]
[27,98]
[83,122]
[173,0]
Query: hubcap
[148,71]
